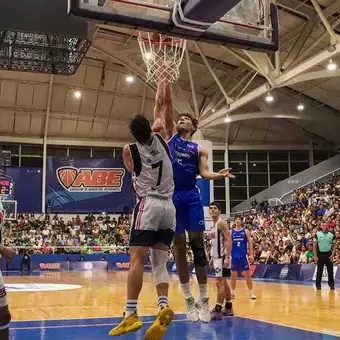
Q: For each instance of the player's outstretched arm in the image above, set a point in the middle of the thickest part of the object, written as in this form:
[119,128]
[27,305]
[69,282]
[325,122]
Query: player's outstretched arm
[127,158]
[206,173]
[163,111]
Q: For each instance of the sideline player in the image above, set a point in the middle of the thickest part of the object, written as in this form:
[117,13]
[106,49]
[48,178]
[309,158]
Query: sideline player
[242,246]
[220,261]
[154,221]
[188,161]
[5,315]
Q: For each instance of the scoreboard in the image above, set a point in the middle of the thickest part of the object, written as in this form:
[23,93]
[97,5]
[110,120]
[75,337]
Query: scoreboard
[5,186]
[5,158]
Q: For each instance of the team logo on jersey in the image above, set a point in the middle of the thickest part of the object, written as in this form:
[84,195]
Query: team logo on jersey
[154,152]
[91,180]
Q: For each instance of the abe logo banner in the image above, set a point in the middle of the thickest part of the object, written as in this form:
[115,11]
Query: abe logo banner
[77,185]
[95,180]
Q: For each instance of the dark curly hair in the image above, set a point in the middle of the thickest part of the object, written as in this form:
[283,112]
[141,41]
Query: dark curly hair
[140,128]
[194,121]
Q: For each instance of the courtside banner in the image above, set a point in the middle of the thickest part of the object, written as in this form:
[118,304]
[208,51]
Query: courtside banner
[87,184]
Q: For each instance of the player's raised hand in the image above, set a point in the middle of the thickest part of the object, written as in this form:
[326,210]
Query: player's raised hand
[226,173]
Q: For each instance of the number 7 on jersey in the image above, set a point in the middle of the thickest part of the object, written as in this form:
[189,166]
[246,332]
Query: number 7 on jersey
[160,166]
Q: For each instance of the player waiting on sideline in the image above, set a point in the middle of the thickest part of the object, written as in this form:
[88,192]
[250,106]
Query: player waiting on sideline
[188,161]
[242,246]
[154,220]
[220,261]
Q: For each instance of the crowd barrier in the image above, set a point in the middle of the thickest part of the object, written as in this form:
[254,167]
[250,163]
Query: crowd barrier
[99,262]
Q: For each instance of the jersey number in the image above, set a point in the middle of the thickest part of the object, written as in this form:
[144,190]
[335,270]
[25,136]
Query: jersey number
[160,166]
[239,244]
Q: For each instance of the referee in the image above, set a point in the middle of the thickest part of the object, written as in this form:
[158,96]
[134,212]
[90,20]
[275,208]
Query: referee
[324,250]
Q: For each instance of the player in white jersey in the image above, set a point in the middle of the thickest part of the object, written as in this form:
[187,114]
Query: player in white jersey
[153,226]
[220,261]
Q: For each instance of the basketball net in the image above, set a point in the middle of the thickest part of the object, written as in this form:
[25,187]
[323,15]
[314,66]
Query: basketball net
[162,56]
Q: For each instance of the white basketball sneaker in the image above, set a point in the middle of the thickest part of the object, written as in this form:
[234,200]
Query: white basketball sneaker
[252,296]
[203,309]
[192,313]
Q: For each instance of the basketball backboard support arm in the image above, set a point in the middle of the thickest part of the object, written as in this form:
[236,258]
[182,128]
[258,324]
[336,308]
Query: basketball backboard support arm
[151,16]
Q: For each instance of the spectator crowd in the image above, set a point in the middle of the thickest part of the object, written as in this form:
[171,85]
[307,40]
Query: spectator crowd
[284,234]
[281,234]
[47,234]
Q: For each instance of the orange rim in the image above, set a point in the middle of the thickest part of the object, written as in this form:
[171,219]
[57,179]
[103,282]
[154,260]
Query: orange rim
[172,42]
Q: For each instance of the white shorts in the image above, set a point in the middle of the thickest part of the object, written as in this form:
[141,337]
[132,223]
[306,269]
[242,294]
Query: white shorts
[3,294]
[220,271]
[154,221]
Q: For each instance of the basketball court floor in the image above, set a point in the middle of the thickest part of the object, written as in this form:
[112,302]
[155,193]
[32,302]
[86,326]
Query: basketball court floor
[86,305]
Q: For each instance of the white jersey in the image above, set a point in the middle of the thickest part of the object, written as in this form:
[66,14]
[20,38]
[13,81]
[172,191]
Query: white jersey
[152,175]
[218,248]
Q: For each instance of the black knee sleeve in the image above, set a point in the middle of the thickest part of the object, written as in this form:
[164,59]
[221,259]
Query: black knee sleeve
[200,257]
[5,318]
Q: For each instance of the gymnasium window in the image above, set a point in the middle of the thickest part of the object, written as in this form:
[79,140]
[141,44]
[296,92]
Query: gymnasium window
[238,193]
[78,152]
[102,153]
[57,151]
[31,150]
[274,178]
[237,156]
[218,156]
[119,152]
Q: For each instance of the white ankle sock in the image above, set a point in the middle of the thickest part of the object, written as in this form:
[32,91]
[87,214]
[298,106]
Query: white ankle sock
[203,290]
[186,290]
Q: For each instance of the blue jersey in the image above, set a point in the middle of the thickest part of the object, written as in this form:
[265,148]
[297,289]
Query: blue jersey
[185,160]
[240,243]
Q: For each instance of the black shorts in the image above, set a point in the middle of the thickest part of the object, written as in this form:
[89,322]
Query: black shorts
[154,221]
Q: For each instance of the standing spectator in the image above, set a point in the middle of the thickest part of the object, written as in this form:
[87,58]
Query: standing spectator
[324,250]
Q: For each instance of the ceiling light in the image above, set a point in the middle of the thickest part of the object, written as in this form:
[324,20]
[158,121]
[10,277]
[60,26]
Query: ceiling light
[331,66]
[300,107]
[227,119]
[254,164]
[148,55]
[77,94]
[130,79]
[213,110]
[269,98]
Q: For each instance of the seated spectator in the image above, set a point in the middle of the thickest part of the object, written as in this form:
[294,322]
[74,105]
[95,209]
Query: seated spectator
[265,254]
[303,256]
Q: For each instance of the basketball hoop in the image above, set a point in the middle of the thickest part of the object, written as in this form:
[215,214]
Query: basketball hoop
[162,56]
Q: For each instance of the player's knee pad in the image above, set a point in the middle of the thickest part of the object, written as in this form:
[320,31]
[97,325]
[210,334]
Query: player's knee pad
[159,259]
[200,257]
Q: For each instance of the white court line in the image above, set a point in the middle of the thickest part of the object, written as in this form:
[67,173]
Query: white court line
[84,318]
[76,326]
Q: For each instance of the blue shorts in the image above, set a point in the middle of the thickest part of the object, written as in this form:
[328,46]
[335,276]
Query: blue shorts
[239,264]
[189,211]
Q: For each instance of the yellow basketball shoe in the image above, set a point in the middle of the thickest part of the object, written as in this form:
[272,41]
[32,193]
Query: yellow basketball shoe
[158,328]
[127,325]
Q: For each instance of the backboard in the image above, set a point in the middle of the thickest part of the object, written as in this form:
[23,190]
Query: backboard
[251,24]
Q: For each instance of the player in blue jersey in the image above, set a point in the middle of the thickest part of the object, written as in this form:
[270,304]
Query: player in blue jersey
[242,247]
[188,161]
